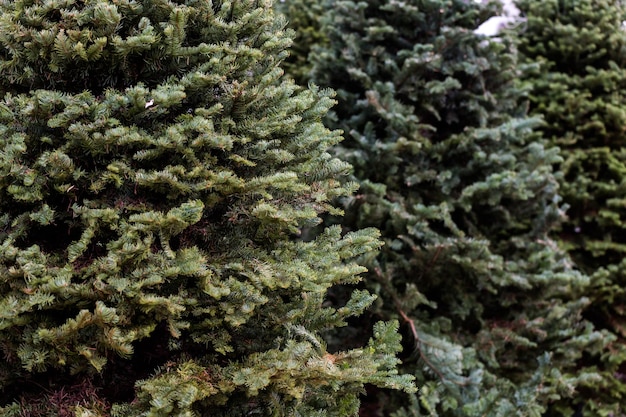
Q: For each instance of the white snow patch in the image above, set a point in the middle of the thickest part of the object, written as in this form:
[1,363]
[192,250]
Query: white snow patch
[493,25]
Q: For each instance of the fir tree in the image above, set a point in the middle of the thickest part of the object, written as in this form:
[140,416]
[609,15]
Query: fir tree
[155,169]
[576,51]
[462,189]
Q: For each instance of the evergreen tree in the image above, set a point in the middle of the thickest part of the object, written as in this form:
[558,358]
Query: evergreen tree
[576,51]
[462,189]
[155,169]
[305,17]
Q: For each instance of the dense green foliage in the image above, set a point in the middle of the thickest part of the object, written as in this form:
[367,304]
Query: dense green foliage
[304,16]
[463,192]
[577,78]
[155,169]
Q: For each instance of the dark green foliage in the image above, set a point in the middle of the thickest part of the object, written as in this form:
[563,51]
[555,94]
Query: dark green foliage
[464,195]
[576,52]
[154,171]
[304,16]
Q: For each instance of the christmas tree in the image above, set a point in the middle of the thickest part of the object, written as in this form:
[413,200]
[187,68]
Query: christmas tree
[155,172]
[576,56]
[453,174]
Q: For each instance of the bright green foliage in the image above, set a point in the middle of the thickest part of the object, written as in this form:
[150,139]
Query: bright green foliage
[464,195]
[577,56]
[304,16]
[154,171]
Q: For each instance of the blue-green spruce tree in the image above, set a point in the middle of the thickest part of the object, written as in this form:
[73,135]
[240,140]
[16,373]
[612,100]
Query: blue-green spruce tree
[155,171]
[462,188]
